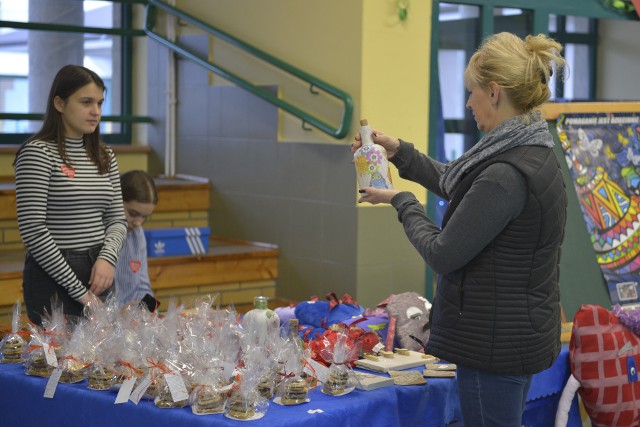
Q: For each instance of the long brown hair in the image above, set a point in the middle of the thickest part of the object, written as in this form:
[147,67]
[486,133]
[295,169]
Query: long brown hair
[138,186]
[67,81]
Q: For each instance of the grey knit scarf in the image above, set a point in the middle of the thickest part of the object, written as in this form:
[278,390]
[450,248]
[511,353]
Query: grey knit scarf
[527,129]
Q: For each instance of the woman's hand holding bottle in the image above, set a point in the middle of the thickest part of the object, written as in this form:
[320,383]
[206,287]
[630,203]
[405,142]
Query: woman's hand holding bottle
[390,143]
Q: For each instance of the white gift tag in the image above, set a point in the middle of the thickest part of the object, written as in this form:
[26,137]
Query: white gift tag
[321,371]
[50,355]
[136,394]
[176,386]
[125,390]
[378,347]
[52,383]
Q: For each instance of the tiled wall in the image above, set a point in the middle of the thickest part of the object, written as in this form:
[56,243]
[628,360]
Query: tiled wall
[298,196]
[227,294]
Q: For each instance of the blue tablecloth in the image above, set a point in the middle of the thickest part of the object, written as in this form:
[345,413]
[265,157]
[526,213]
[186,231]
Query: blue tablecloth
[545,391]
[434,404]
[22,404]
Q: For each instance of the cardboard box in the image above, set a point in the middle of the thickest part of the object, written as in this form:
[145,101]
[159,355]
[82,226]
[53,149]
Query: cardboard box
[163,242]
[366,381]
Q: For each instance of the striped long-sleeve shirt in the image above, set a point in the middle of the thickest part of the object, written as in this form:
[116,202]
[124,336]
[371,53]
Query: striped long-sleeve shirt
[67,207]
[132,272]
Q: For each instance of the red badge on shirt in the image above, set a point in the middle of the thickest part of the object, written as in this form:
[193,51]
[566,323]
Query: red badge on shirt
[134,266]
[69,171]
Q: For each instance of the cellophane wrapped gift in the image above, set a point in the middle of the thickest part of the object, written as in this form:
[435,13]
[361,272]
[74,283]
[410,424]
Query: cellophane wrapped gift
[262,360]
[102,335]
[13,345]
[340,354]
[267,385]
[145,335]
[203,355]
[219,346]
[164,398]
[209,393]
[263,355]
[293,388]
[75,360]
[170,347]
[53,335]
[101,375]
[154,340]
[35,362]
[128,342]
[245,402]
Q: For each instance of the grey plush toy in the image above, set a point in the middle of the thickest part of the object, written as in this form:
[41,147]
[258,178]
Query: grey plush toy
[408,321]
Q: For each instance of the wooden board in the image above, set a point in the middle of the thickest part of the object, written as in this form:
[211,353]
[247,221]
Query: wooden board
[551,110]
[398,363]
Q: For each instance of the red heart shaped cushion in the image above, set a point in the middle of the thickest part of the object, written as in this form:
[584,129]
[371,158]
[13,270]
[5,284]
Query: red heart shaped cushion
[596,340]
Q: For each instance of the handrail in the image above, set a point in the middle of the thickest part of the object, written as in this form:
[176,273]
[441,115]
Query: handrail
[70,28]
[339,132]
[40,116]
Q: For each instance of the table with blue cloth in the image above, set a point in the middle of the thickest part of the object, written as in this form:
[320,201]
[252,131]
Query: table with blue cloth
[434,404]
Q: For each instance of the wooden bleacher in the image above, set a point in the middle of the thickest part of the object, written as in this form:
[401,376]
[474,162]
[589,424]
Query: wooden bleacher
[235,270]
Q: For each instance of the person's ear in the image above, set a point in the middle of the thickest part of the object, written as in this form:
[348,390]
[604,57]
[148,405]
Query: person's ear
[58,103]
[494,92]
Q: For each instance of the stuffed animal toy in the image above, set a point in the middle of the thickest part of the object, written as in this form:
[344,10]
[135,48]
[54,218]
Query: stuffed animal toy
[317,316]
[604,354]
[408,321]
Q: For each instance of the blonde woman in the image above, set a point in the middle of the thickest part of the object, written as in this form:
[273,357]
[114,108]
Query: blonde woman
[496,313]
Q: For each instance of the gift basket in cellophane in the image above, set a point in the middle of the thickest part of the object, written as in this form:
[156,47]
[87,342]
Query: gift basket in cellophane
[13,344]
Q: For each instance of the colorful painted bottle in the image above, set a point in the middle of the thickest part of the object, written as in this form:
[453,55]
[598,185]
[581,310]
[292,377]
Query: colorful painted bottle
[372,166]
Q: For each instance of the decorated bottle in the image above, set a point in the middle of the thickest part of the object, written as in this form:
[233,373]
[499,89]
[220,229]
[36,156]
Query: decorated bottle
[262,323]
[372,166]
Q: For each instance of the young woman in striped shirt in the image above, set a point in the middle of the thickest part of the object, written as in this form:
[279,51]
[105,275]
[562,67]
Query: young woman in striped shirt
[132,274]
[68,199]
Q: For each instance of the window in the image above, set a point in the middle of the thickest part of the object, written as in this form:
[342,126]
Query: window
[578,36]
[460,33]
[37,37]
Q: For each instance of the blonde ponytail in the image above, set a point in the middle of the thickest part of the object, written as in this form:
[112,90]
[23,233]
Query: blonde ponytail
[523,68]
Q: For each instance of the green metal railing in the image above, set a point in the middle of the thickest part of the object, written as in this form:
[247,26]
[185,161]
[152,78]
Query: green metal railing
[40,116]
[71,28]
[338,132]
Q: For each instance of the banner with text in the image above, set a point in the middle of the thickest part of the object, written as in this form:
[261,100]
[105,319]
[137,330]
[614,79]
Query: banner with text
[602,151]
